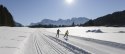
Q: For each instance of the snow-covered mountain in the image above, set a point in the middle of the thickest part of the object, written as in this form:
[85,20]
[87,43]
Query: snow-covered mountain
[79,20]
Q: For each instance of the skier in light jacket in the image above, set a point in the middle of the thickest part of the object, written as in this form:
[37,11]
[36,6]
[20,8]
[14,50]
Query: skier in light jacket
[66,34]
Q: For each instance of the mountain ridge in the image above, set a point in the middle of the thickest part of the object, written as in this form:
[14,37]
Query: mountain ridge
[76,20]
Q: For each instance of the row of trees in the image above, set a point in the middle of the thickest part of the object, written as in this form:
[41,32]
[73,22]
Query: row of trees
[53,26]
[6,18]
[114,19]
[46,26]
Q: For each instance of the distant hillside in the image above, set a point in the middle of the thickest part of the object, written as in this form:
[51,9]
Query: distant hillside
[76,21]
[114,19]
[18,24]
[6,19]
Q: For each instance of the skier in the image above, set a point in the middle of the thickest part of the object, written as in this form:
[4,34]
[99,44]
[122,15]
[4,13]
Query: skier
[57,35]
[66,34]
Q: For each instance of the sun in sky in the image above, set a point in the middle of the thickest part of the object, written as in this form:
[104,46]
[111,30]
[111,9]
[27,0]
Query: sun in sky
[69,1]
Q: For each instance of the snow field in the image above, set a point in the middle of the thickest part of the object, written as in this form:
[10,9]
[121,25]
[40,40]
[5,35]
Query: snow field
[110,33]
[13,39]
[16,40]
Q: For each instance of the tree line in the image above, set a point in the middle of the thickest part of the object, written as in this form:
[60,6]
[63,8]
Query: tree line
[116,19]
[6,19]
[52,26]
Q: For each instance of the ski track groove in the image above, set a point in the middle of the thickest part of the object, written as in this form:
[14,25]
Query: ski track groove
[54,47]
[37,46]
[103,42]
[72,48]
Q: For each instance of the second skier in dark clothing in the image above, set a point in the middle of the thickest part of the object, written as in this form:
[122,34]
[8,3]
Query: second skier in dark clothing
[57,35]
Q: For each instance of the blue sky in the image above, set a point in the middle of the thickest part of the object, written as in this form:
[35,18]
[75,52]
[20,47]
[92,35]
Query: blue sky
[27,11]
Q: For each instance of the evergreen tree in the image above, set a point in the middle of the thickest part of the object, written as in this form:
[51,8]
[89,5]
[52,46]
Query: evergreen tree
[89,23]
[73,24]
[6,18]
[114,19]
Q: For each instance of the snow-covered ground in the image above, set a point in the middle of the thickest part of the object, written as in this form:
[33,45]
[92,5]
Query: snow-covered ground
[23,40]
[113,34]
[13,39]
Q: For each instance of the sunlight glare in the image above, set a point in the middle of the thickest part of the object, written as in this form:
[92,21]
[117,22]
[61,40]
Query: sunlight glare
[69,1]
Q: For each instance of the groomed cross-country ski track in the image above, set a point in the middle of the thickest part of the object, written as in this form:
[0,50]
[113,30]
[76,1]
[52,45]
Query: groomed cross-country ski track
[44,42]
